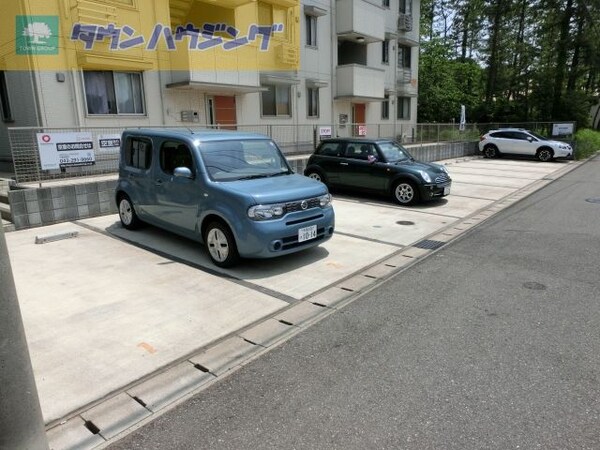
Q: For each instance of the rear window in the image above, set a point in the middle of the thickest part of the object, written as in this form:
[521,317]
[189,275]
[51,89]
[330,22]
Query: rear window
[138,153]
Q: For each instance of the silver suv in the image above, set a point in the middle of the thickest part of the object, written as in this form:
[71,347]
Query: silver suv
[518,141]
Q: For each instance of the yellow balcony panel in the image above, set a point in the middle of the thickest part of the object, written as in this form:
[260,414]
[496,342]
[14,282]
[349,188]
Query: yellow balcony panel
[358,82]
[360,19]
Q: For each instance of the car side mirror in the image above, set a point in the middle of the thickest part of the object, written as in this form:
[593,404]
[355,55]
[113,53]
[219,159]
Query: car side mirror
[372,159]
[530,139]
[183,172]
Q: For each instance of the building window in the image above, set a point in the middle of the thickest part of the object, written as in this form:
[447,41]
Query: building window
[312,102]
[109,92]
[4,100]
[385,108]
[276,100]
[386,3]
[406,6]
[385,51]
[403,108]
[404,59]
[311,30]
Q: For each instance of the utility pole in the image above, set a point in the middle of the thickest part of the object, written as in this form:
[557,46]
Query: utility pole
[21,421]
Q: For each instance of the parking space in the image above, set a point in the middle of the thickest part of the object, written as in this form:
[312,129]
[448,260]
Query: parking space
[111,306]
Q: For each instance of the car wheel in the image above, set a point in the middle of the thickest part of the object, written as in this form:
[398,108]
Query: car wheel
[221,245]
[490,151]
[405,193]
[129,218]
[545,154]
[316,175]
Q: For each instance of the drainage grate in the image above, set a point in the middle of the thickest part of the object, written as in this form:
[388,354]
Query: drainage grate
[405,222]
[593,200]
[429,244]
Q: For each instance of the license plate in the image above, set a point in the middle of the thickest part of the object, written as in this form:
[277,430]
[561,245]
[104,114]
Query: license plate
[446,190]
[307,233]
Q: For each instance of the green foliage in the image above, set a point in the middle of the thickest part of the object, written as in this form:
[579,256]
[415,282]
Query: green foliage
[509,60]
[587,142]
[445,84]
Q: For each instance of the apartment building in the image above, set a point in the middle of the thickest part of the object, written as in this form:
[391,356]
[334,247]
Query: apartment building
[125,63]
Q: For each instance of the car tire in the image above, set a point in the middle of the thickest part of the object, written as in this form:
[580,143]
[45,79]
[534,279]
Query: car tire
[127,214]
[545,154]
[405,193]
[491,151]
[221,246]
[316,175]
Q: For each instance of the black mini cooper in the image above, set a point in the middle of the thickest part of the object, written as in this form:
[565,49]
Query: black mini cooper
[381,166]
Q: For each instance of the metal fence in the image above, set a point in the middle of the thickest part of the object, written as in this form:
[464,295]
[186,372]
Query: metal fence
[292,139]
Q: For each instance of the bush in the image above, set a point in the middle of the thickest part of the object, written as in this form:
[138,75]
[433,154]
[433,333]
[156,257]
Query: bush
[587,142]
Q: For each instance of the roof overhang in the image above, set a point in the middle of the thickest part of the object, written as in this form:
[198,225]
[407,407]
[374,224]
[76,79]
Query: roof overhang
[313,83]
[215,88]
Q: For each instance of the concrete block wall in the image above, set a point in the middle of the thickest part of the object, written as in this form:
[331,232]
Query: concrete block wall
[34,207]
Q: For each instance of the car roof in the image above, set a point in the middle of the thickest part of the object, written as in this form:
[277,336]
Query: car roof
[202,134]
[357,139]
[508,129]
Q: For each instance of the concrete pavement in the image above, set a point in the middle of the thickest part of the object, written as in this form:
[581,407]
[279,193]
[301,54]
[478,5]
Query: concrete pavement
[109,311]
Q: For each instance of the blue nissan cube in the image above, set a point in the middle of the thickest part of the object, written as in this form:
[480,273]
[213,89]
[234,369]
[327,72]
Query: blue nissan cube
[233,191]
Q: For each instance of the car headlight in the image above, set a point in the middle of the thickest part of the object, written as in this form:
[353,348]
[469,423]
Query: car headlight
[325,200]
[425,176]
[266,212]
[443,169]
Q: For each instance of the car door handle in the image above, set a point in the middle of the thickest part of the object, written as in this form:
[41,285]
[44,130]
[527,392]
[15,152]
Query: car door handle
[343,164]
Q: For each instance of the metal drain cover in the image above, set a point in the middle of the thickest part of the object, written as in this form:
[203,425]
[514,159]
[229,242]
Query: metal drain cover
[593,200]
[405,222]
[429,244]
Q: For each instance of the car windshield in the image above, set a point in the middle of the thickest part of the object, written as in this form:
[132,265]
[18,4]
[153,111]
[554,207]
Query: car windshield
[393,152]
[243,160]
[538,136]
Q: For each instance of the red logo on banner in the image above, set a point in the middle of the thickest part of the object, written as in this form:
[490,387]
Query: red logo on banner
[46,138]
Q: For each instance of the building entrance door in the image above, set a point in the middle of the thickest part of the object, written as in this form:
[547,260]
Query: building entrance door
[221,111]
[358,119]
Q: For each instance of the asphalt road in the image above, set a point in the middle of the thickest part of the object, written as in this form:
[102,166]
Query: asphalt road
[492,342]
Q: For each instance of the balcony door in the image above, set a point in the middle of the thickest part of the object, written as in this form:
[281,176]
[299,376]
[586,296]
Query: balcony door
[358,119]
[221,111]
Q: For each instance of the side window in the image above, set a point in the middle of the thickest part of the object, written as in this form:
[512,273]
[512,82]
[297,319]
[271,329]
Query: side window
[501,135]
[138,153]
[330,149]
[361,151]
[522,136]
[173,155]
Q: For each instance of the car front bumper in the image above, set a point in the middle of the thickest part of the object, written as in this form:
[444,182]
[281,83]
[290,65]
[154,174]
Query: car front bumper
[432,191]
[270,238]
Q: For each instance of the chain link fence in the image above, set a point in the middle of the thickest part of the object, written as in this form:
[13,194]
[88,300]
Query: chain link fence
[292,139]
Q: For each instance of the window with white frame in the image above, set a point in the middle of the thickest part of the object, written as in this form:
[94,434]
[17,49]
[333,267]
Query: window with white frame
[385,51]
[311,30]
[108,92]
[4,99]
[403,108]
[385,108]
[312,101]
[276,100]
